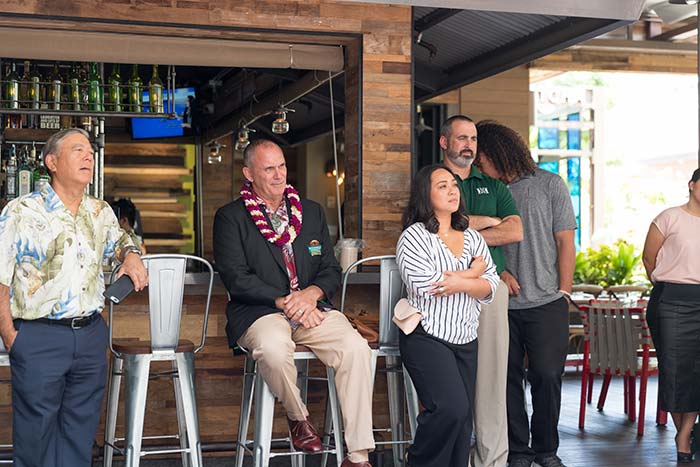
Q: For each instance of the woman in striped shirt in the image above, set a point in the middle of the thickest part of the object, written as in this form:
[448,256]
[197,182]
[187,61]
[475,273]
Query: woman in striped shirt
[448,272]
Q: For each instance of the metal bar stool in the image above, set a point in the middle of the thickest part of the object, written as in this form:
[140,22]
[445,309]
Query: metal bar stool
[391,289]
[166,276]
[4,361]
[254,386]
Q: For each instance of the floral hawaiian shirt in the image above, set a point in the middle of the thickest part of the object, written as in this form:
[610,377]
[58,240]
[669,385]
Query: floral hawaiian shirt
[51,259]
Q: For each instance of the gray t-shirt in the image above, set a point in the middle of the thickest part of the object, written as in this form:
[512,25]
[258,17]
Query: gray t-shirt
[545,208]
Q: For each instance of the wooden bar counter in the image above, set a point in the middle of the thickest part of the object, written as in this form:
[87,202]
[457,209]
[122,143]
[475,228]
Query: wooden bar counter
[219,374]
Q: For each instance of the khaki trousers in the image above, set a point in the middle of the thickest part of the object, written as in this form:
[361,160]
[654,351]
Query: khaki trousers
[336,344]
[490,412]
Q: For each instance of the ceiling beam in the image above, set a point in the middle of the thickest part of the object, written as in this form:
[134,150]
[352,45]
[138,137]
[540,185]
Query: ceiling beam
[628,10]
[674,33]
[543,42]
[434,18]
[428,78]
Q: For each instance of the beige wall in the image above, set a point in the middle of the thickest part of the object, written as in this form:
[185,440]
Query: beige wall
[504,97]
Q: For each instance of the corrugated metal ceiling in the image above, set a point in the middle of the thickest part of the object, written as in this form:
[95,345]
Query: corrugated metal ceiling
[470,33]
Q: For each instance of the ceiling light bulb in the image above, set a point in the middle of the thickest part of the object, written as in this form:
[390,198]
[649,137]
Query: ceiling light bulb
[242,141]
[214,156]
[280,126]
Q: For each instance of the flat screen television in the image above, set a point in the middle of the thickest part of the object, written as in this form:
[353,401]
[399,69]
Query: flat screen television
[144,128]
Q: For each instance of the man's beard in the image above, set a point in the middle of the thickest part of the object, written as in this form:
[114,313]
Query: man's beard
[462,159]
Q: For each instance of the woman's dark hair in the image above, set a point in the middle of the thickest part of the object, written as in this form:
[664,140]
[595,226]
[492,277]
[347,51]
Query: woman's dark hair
[420,209]
[125,208]
[696,176]
[505,148]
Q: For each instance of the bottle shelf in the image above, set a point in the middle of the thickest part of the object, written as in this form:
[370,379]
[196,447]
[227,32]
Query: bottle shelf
[87,113]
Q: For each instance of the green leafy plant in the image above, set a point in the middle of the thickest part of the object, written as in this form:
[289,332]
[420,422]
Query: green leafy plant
[615,264]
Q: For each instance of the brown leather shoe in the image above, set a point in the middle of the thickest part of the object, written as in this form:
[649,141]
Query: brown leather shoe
[347,463]
[304,436]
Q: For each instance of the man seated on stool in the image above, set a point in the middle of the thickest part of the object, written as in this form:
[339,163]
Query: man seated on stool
[273,252]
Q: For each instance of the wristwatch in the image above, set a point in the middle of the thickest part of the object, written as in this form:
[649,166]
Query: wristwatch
[131,249]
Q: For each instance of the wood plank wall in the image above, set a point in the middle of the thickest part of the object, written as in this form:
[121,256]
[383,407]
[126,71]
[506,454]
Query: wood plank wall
[158,178]
[504,97]
[384,83]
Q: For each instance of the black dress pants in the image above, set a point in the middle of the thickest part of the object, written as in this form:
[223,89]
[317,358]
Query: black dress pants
[543,334]
[444,375]
[58,381]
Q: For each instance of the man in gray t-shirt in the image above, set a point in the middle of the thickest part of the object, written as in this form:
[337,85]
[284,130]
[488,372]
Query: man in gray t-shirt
[539,272]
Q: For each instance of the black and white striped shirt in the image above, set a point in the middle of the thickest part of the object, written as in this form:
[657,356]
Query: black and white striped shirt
[423,258]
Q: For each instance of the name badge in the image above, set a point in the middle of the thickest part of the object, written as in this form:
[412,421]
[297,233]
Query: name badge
[315,248]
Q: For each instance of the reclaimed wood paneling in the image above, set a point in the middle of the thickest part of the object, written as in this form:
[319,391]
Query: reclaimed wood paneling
[158,179]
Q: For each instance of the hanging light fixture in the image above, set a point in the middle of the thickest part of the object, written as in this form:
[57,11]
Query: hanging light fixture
[214,156]
[280,125]
[243,140]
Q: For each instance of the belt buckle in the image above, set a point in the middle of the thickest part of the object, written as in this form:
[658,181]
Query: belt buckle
[75,323]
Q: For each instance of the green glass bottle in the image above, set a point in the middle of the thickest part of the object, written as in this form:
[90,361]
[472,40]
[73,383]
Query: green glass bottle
[12,87]
[95,92]
[34,96]
[12,96]
[155,92]
[24,101]
[74,96]
[55,93]
[40,176]
[115,90]
[135,90]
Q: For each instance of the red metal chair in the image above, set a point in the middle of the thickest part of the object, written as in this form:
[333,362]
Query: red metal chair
[617,342]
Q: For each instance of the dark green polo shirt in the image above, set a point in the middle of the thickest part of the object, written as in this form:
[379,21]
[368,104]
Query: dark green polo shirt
[486,196]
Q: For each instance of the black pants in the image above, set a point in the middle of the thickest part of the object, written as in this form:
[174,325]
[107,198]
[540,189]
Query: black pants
[444,375]
[58,381]
[543,334]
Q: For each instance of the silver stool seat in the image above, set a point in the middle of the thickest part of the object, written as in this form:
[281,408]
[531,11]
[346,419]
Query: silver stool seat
[254,387]
[166,277]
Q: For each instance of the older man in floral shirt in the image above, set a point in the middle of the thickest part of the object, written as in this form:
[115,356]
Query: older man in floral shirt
[52,244]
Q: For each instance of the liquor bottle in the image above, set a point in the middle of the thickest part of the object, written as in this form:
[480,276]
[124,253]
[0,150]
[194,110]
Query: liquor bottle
[155,92]
[115,90]
[135,90]
[11,87]
[24,101]
[40,176]
[74,95]
[95,92]
[34,96]
[11,175]
[55,88]
[24,174]
[12,96]
[85,121]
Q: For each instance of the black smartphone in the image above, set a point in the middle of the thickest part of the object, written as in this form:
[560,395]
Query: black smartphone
[119,289]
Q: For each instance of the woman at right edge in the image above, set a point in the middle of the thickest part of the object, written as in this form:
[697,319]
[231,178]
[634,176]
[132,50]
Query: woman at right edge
[672,261]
